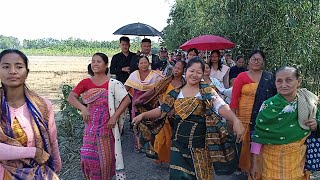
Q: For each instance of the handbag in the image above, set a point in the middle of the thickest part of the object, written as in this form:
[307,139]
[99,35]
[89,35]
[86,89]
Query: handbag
[313,152]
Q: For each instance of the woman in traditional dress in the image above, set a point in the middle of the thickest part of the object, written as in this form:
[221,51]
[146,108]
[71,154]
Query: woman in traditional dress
[250,89]
[195,127]
[138,83]
[219,70]
[28,133]
[162,142]
[283,124]
[238,68]
[103,106]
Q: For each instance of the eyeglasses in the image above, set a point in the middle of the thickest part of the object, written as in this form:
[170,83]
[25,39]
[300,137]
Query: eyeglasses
[256,60]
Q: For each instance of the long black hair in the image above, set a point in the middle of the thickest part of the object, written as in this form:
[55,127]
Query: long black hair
[105,58]
[194,60]
[15,51]
[219,59]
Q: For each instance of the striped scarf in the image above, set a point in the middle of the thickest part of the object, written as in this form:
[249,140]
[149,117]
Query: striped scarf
[28,168]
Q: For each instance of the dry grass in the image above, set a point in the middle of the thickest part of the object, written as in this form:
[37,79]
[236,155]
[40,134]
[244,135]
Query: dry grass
[47,73]
[46,76]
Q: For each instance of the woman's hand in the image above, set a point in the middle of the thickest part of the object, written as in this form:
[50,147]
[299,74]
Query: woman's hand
[238,129]
[253,171]
[137,119]
[41,156]
[85,114]
[112,122]
[312,123]
[171,113]
[137,102]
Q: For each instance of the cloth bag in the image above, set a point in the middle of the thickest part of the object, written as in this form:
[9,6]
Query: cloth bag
[307,109]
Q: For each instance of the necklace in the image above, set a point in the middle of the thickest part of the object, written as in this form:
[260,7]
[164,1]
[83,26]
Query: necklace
[16,104]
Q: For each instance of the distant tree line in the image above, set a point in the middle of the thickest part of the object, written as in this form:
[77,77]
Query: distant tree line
[70,46]
[9,42]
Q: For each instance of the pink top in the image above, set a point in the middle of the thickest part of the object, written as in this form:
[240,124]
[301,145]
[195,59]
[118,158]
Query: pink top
[23,115]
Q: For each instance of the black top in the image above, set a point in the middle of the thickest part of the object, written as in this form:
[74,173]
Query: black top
[155,63]
[235,70]
[118,62]
[163,63]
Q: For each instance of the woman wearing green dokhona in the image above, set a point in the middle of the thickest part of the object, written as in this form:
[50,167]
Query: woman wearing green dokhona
[283,124]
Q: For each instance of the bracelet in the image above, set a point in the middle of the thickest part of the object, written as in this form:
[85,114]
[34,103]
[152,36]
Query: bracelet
[41,154]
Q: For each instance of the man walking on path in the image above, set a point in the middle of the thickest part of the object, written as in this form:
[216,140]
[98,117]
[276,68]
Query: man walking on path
[145,50]
[120,63]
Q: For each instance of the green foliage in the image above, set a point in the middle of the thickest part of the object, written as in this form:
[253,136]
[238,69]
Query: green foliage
[70,132]
[71,124]
[288,31]
[68,47]
[7,42]
[69,51]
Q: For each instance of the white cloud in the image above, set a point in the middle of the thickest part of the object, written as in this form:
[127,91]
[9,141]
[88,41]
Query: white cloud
[94,19]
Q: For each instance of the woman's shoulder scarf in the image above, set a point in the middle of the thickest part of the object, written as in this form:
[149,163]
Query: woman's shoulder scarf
[307,106]
[265,90]
[277,122]
[148,128]
[135,82]
[27,168]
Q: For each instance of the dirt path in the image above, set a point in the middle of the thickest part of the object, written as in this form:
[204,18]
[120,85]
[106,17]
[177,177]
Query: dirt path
[137,165]
[46,75]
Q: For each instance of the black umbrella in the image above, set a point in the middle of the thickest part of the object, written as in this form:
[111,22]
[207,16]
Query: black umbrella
[138,29]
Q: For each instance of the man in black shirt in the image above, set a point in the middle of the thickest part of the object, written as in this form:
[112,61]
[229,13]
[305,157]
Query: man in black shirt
[145,50]
[120,63]
[163,56]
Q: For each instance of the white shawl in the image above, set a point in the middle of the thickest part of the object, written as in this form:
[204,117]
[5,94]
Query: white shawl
[116,93]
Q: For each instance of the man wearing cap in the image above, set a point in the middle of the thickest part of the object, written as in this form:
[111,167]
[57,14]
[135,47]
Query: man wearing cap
[163,56]
[146,50]
[178,56]
[120,63]
[166,65]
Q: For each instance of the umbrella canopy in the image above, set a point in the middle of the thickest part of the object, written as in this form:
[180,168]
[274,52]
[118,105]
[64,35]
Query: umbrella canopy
[208,42]
[138,29]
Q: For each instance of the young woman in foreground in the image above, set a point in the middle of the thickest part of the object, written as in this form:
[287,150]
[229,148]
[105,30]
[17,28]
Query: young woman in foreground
[192,125]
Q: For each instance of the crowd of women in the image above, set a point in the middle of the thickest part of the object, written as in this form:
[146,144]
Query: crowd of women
[203,119]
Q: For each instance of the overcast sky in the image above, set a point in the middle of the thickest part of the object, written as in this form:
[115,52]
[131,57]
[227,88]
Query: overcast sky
[85,19]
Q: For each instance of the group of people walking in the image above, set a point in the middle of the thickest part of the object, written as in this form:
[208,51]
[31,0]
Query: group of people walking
[192,118]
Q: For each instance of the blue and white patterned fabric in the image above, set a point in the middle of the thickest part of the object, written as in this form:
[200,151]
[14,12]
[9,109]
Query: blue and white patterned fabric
[313,153]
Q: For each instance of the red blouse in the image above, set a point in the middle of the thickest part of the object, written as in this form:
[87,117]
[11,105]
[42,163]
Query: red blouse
[242,79]
[87,84]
